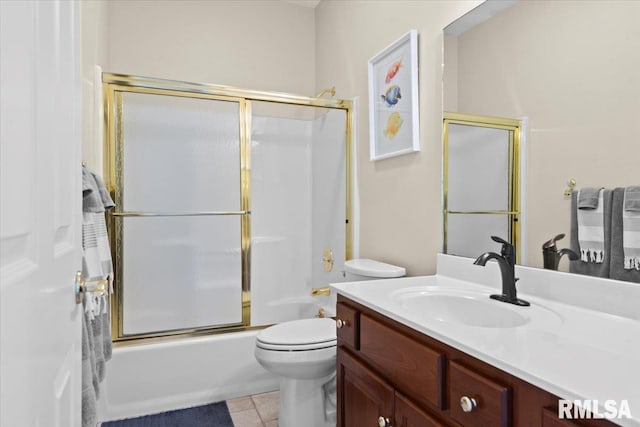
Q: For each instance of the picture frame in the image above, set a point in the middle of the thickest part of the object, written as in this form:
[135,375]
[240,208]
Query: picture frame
[394,127]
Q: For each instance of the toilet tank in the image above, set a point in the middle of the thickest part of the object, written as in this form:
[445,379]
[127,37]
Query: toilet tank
[368,269]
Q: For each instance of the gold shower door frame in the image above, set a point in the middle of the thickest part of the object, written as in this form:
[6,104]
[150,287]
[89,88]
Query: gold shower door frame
[114,85]
[514,127]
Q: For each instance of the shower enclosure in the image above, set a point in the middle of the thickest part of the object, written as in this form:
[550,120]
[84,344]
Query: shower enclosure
[226,200]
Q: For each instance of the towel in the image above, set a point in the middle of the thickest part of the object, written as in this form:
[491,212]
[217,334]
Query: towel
[590,268]
[588,198]
[632,199]
[617,258]
[591,226]
[631,228]
[96,265]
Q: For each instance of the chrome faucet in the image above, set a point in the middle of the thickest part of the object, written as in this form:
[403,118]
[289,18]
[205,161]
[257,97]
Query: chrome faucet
[507,261]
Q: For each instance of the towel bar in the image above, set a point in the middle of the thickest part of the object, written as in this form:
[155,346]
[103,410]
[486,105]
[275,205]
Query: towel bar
[134,214]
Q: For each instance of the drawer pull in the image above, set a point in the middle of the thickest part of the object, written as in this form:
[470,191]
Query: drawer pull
[468,403]
[341,323]
[384,422]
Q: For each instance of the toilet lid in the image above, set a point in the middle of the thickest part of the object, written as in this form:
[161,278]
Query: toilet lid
[373,269]
[303,334]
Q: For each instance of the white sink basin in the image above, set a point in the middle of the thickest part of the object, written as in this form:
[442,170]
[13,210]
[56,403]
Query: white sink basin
[464,307]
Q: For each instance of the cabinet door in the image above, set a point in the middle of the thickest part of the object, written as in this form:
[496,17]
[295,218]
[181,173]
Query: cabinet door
[409,415]
[363,397]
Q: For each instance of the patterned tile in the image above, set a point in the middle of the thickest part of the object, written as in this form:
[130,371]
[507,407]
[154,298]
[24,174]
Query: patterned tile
[267,405]
[249,418]
[240,404]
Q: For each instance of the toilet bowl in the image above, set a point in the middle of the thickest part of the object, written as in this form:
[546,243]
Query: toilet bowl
[303,354]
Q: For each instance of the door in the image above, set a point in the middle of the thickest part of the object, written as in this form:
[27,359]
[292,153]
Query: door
[481,183]
[40,234]
[364,399]
[410,415]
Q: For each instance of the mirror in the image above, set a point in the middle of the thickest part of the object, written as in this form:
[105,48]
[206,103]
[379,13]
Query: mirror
[570,71]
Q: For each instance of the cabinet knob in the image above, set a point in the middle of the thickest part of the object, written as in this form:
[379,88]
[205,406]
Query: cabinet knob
[341,323]
[468,403]
[384,422]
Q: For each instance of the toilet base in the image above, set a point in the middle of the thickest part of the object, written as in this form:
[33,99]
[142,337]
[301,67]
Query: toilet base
[302,403]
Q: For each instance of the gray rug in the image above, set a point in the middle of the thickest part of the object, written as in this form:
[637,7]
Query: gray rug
[212,415]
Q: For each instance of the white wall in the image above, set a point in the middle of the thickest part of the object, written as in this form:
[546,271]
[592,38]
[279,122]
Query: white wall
[400,215]
[94,51]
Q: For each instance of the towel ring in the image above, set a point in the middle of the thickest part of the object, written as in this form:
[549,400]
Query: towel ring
[571,184]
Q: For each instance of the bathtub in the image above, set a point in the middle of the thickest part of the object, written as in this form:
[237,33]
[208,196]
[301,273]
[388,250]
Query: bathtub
[148,378]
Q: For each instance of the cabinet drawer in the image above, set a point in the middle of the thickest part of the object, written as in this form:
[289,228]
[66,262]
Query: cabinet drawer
[411,366]
[347,323]
[491,401]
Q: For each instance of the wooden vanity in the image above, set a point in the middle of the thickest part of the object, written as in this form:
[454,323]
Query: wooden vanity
[392,375]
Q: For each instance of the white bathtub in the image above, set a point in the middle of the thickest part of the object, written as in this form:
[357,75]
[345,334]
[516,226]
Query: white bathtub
[149,378]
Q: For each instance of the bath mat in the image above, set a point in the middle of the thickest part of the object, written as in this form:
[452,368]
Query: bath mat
[212,415]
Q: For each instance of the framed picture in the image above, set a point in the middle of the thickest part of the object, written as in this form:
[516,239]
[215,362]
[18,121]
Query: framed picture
[393,99]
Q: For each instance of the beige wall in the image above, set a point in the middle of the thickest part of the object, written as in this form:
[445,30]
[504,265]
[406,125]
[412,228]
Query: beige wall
[572,69]
[273,45]
[261,45]
[400,197]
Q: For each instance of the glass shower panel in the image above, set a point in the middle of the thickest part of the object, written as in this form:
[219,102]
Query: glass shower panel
[280,211]
[181,265]
[180,154]
[328,201]
[470,234]
[181,273]
[478,163]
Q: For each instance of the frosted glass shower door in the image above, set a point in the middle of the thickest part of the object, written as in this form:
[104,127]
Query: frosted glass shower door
[179,215]
[481,184]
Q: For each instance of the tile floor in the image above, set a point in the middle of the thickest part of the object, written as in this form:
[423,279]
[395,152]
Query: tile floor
[260,410]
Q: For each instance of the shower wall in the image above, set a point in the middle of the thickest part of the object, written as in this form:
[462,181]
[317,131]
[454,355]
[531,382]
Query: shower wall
[298,208]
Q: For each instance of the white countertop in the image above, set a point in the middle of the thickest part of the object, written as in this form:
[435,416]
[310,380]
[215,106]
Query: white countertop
[573,351]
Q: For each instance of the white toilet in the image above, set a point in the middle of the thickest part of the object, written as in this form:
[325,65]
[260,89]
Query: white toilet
[303,354]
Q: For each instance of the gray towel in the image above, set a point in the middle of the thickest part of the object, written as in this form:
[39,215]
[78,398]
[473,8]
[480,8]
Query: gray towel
[631,229]
[632,199]
[89,398]
[96,265]
[618,271]
[589,268]
[588,198]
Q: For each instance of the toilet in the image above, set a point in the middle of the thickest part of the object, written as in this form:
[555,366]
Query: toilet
[303,354]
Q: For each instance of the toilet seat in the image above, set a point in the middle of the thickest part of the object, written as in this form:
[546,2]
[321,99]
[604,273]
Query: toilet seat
[298,335]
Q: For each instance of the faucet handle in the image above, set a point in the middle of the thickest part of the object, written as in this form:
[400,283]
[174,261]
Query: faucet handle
[508,250]
[499,240]
[551,244]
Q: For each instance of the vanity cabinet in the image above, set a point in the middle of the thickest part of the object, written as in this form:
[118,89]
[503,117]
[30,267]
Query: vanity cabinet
[392,375]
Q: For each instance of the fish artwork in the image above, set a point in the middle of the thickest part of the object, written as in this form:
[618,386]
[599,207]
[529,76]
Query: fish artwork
[392,95]
[393,70]
[394,122]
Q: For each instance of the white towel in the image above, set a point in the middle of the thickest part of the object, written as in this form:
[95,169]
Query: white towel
[591,232]
[631,234]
